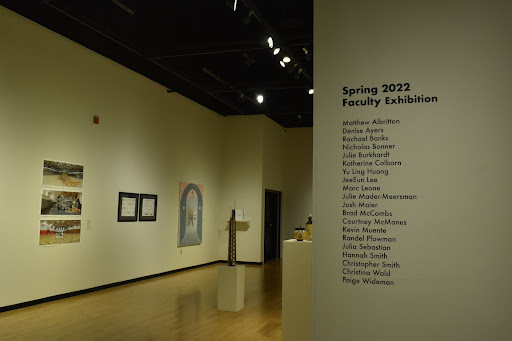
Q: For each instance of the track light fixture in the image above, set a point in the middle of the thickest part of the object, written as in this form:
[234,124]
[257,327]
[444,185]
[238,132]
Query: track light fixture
[260,99]
[307,54]
[270,42]
[123,7]
[282,63]
[247,18]
[286,59]
[276,51]
[311,91]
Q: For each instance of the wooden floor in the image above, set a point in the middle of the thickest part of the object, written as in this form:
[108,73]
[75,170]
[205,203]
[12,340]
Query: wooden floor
[180,306]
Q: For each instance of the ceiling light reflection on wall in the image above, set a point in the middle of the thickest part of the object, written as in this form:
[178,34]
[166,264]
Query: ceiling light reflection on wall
[260,99]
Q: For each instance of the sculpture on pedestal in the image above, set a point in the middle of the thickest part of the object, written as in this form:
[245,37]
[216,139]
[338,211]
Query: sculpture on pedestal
[232,240]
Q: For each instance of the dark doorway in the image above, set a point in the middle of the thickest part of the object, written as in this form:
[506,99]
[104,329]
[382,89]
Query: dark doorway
[272,224]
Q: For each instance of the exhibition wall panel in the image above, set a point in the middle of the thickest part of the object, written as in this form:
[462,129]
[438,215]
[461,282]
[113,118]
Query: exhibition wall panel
[242,184]
[259,154]
[274,171]
[298,203]
[146,142]
[411,170]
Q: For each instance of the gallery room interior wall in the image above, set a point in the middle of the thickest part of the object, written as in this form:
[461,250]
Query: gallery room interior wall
[274,152]
[147,141]
[51,88]
[243,160]
[258,155]
[452,184]
[298,203]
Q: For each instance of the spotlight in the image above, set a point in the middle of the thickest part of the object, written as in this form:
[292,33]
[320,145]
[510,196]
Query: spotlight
[260,98]
[123,7]
[247,18]
[270,42]
[297,71]
[282,63]
[307,55]
[276,51]
[311,91]
[286,59]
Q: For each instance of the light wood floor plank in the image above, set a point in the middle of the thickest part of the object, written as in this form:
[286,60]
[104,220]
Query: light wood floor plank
[178,307]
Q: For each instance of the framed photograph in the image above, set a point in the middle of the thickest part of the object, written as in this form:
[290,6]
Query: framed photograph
[61,174]
[56,231]
[128,207]
[147,207]
[60,202]
[191,214]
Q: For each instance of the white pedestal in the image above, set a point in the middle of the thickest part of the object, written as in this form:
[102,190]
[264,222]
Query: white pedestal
[231,288]
[296,290]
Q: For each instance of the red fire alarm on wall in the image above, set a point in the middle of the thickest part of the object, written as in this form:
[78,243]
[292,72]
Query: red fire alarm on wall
[96,119]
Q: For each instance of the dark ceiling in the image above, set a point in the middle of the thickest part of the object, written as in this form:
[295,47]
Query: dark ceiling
[202,49]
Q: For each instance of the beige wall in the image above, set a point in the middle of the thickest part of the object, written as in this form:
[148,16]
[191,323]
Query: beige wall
[298,197]
[259,155]
[242,183]
[147,141]
[274,152]
[454,254]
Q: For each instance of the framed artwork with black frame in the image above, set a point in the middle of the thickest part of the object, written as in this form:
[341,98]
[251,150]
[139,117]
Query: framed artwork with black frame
[128,207]
[147,207]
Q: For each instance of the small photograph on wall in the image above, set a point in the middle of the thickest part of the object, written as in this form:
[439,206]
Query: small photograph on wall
[128,207]
[60,174]
[191,214]
[147,207]
[52,232]
[61,203]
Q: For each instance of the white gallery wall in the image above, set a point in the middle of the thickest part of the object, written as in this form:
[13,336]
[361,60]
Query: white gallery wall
[258,155]
[146,142]
[412,170]
[298,196]
[243,160]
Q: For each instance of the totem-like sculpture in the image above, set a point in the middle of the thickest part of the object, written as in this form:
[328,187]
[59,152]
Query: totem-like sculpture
[232,240]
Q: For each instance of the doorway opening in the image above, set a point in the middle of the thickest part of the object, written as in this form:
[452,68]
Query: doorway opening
[272,248]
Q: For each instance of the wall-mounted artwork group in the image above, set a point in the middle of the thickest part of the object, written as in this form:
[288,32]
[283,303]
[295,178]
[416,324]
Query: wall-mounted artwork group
[191,214]
[61,203]
[133,206]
